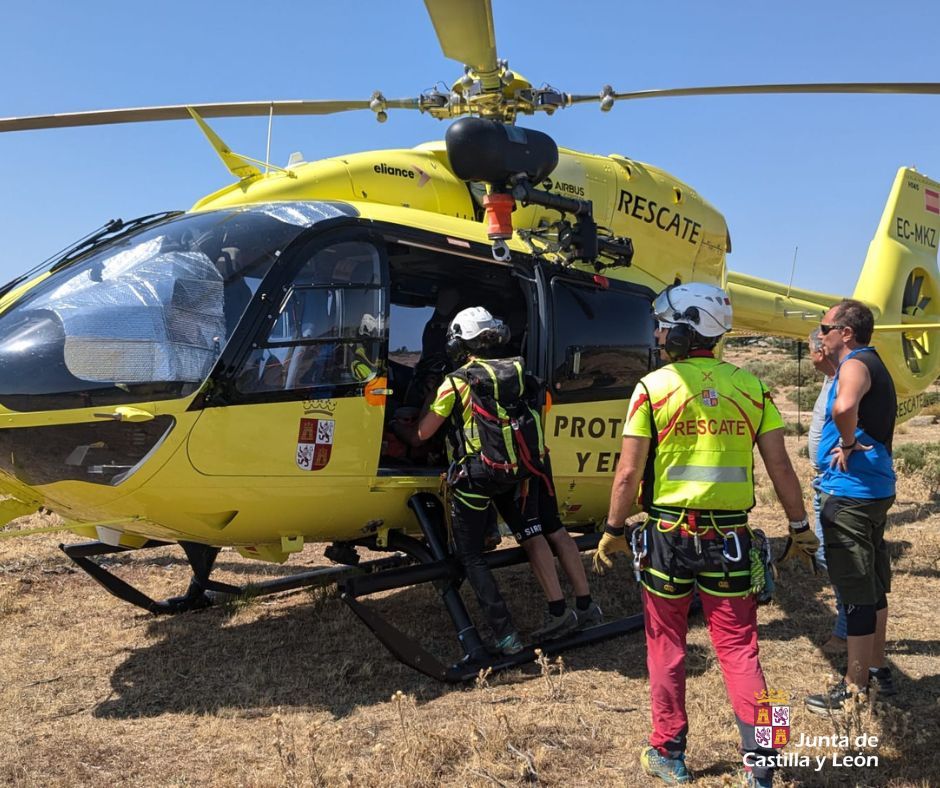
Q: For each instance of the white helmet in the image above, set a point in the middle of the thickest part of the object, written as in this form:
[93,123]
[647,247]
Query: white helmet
[705,308]
[371,325]
[476,327]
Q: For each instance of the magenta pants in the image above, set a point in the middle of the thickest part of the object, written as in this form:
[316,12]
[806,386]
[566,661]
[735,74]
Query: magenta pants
[732,625]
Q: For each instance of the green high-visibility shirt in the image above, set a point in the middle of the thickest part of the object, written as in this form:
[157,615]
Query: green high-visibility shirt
[703,417]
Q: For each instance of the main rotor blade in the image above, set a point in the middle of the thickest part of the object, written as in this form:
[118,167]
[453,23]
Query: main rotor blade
[911,88]
[465,31]
[236,109]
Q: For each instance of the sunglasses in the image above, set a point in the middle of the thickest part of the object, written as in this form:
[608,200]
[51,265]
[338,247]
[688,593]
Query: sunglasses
[825,328]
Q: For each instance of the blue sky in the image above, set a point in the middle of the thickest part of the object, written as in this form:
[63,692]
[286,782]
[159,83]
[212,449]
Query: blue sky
[786,171]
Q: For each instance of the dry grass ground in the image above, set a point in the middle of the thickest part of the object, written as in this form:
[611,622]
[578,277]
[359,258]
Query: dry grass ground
[292,690]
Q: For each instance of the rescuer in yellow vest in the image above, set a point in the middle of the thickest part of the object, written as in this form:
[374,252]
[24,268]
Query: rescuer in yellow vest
[362,366]
[689,435]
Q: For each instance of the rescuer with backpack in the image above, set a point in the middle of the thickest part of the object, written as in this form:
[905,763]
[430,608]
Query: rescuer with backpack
[498,457]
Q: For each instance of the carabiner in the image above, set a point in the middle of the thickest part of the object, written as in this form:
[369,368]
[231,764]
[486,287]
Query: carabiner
[737,544]
[638,554]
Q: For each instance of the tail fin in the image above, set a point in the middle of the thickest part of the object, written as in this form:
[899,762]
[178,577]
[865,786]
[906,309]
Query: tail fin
[900,280]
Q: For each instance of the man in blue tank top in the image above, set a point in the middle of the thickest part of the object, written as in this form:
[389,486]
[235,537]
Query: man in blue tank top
[857,489]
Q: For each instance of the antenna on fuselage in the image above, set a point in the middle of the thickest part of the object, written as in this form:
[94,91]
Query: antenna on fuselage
[267,150]
[792,270]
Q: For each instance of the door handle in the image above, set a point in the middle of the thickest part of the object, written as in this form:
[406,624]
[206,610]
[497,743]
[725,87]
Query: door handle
[126,413]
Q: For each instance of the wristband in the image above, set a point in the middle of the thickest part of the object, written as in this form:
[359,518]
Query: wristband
[799,526]
[851,445]
[613,530]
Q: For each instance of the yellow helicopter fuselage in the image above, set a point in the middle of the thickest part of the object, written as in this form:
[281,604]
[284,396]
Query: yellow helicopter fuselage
[297,463]
[677,234]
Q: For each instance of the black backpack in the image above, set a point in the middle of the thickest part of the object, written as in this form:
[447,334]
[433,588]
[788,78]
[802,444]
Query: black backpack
[504,400]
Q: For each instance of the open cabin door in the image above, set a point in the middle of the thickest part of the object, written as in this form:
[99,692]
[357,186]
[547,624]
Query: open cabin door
[600,343]
[429,286]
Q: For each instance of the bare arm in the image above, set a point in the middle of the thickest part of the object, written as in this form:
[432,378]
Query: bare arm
[854,383]
[774,453]
[627,479]
[414,435]
[429,424]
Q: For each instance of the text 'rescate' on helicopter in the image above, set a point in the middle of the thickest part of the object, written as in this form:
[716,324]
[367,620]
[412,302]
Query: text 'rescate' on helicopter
[232,375]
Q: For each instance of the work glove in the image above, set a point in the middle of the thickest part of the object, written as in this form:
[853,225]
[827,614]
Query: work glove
[611,543]
[802,544]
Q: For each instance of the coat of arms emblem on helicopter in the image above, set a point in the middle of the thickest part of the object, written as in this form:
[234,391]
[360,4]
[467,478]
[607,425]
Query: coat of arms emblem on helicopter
[314,443]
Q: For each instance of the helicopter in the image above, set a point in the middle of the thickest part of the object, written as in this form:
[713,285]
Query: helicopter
[229,376]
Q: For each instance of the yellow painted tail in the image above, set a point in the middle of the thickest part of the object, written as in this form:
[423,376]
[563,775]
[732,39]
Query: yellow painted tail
[899,281]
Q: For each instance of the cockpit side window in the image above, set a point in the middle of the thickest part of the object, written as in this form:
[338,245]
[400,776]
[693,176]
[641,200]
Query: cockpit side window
[330,329]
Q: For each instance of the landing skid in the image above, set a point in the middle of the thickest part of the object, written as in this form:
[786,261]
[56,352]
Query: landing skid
[203,591]
[415,561]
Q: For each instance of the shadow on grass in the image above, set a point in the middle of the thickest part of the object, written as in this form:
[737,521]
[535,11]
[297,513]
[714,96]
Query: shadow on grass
[315,654]
[905,512]
[915,705]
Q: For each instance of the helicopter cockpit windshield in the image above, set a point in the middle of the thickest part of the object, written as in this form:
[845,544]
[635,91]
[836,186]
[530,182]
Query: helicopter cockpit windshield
[147,316]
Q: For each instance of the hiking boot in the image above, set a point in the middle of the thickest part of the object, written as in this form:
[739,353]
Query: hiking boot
[750,781]
[672,771]
[883,680]
[510,645]
[590,617]
[556,626]
[832,701]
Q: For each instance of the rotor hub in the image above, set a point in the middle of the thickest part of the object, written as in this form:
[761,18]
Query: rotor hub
[499,95]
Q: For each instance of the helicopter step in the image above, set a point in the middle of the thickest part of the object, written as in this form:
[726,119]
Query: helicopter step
[436,565]
[203,591]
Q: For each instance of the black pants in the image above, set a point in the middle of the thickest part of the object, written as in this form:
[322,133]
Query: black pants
[472,492]
[539,506]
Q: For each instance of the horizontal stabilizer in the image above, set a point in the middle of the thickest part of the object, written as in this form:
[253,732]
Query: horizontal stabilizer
[765,307]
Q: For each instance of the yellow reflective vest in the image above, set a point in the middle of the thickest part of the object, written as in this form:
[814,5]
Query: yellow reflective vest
[362,367]
[702,417]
